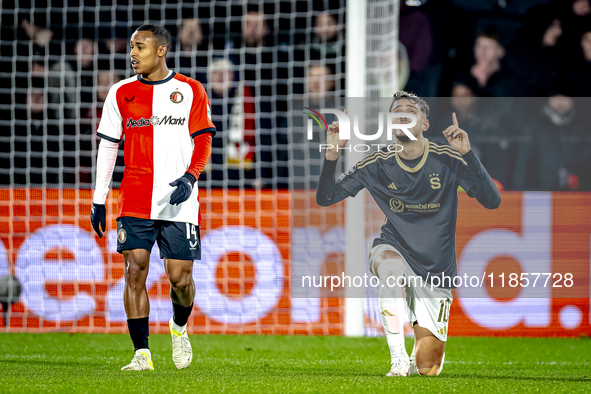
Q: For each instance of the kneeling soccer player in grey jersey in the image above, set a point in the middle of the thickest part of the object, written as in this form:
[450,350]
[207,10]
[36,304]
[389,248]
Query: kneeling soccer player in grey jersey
[416,188]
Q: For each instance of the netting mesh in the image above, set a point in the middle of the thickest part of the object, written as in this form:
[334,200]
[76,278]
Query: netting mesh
[259,62]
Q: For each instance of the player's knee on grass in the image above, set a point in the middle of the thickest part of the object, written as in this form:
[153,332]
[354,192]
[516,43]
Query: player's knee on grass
[429,355]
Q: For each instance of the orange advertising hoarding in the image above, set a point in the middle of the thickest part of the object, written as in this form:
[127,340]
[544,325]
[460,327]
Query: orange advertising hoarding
[73,281]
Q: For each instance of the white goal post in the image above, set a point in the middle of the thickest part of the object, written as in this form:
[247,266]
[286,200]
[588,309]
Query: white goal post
[372,45]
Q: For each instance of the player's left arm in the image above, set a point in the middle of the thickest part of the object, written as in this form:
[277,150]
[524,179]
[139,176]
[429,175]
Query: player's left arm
[202,130]
[473,176]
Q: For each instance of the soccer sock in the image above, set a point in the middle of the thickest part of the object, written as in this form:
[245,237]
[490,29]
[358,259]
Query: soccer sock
[181,316]
[139,331]
[393,327]
[392,307]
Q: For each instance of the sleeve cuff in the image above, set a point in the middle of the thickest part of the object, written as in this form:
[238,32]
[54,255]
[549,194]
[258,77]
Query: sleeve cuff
[191,175]
[106,137]
[203,131]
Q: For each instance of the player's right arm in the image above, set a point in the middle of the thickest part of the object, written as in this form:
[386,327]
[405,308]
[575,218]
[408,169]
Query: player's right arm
[110,131]
[330,192]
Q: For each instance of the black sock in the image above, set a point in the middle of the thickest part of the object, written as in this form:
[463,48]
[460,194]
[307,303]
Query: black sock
[139,330]
[181,314]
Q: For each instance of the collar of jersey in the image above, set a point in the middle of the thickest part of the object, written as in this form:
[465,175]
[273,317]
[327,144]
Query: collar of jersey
[418,166]
[168,78]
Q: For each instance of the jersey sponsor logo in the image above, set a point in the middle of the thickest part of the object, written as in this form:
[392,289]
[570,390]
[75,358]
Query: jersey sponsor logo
[121,236]
[399,206]
[176,97]
[142,122]
[435,181]
[396,205]
[155,121]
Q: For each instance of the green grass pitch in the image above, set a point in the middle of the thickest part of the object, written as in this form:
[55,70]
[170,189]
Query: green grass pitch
[65,363]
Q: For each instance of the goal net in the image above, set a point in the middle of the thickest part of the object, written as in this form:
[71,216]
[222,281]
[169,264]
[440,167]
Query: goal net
[261,63]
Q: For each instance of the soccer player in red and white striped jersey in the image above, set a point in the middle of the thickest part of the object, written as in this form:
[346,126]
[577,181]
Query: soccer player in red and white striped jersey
[166,121]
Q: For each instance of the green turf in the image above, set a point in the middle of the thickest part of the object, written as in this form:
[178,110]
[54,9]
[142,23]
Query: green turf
[259,364]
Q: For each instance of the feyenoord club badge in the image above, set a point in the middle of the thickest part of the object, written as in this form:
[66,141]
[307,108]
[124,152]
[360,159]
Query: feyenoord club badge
[176,97]
[122,235]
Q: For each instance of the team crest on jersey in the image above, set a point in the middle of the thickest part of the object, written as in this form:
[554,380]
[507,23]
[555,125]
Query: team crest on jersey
[176,97]
[122,236]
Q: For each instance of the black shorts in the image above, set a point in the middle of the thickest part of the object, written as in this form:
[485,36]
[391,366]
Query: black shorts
[176,240]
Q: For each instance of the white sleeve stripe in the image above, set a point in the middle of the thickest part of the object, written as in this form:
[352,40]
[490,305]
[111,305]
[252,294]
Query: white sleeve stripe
[105,164]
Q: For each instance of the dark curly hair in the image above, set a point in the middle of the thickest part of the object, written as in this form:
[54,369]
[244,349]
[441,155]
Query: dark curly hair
[422,104]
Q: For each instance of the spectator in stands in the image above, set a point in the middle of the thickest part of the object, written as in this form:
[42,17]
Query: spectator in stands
[319,81]
[34,42]
[489,71]
[327,41]
[575,12]
[64,76]
[191,51]
[104,80]
[39,36]
[537,49]
[575,16]
[254,29]
[416,36]
[557,155]
[114,45]
[233,111]
[41,152]
[263,69]
[253,51]
[484,118]
[576,69]
[306,158]
[464,102]
[89,123]
[581,8]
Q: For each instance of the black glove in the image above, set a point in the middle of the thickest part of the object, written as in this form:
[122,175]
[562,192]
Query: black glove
[184,189]
[98,215]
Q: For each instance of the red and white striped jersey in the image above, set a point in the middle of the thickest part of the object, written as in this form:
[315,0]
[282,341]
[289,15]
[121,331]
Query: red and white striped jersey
[159,120]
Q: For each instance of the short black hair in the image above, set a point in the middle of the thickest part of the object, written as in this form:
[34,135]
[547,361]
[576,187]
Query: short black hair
[160,33]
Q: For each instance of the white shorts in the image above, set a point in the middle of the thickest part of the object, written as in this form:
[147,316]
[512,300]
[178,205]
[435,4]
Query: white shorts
[429,308]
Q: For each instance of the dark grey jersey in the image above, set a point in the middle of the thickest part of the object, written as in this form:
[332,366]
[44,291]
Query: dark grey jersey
[420,203]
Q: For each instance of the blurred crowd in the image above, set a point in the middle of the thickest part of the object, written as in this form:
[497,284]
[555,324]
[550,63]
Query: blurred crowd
[255,59]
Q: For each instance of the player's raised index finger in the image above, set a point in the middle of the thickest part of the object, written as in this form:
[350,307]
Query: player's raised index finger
[455,119]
